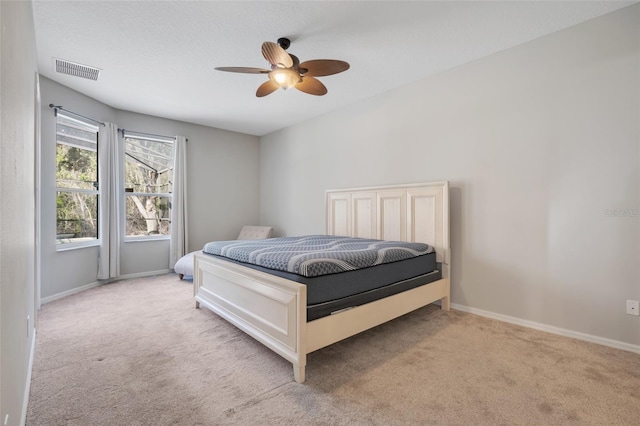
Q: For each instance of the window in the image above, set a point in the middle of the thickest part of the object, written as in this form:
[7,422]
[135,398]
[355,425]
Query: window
[148,186]
[76,181]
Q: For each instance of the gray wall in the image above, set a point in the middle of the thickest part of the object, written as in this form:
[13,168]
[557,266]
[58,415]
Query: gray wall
[17,187]
[222,179]
[65,270]
[537,141]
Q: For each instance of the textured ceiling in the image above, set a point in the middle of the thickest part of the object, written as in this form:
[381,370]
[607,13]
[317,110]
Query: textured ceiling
[158,57]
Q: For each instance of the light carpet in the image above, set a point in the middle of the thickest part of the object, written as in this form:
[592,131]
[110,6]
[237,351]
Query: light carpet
[137,352]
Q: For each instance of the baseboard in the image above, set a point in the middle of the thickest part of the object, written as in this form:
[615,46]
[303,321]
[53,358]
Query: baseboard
[144,274]
[549,329]
[69,292]
[101,282]
[27,386]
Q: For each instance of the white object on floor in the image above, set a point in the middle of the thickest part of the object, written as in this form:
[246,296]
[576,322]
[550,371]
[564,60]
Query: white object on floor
[184,266]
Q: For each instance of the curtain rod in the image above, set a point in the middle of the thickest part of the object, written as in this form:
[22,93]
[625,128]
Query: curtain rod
[59,107]
[148,134]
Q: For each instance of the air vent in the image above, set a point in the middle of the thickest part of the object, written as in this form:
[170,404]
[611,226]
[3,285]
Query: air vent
[77,70]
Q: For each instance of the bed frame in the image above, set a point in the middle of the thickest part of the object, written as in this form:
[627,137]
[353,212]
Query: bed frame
[273,310]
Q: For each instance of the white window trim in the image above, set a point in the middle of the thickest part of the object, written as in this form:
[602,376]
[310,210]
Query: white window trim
[144,238]
[77,245]
[80,190]
[150,194]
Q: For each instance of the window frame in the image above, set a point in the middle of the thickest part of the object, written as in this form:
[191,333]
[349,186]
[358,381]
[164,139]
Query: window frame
[84,125]
[168,195]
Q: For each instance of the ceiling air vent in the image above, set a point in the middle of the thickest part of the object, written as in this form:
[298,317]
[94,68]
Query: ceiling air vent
[77,70]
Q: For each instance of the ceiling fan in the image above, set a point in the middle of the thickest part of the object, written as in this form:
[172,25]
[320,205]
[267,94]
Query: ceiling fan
[287,71]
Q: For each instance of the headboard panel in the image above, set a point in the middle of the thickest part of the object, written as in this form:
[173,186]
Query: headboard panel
[415,212]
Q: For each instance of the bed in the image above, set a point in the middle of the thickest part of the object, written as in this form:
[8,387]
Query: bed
[274,309]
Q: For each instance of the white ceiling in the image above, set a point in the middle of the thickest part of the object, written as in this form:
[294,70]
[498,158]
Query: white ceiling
[158,57]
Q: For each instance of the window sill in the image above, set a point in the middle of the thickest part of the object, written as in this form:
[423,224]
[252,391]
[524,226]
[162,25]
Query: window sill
[147,238]
[76,246]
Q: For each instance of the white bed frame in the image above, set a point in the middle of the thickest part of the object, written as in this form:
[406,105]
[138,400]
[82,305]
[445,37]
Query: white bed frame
[273,310]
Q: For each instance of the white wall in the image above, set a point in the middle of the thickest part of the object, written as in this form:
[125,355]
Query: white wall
[17,187]
[537,141]
[223,190]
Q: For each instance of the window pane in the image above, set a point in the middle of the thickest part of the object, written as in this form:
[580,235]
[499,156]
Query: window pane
[76,167]
[148,215]
[148,166]
[76,217]
[76,133]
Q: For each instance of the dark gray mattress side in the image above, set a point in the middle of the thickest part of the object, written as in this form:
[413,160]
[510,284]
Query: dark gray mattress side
[326,288]
[320,310]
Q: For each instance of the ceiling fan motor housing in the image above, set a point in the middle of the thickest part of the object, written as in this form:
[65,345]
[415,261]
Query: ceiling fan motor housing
[284,43]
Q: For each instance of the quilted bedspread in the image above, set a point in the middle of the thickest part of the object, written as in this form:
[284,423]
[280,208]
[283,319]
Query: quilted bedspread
[316,255]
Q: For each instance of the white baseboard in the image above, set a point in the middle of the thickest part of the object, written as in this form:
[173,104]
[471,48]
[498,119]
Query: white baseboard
[69,292]
[144,274]
[27,386]
[549,329]
[101,282]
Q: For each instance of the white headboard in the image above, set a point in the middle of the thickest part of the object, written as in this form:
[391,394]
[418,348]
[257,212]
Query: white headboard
[414,212]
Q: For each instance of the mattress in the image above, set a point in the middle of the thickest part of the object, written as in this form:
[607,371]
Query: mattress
[393,262]
[316,255]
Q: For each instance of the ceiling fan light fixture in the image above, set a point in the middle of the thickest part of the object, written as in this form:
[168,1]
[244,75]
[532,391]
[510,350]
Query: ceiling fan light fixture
[285,77]
[287,71]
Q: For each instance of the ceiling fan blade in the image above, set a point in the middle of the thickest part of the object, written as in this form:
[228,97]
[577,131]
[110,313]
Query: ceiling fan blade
[246,70]
[276,55]
[311,85]
[322,67]
[267,88]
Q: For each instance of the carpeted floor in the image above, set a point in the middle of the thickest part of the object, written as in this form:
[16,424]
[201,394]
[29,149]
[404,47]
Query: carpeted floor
[137,352]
